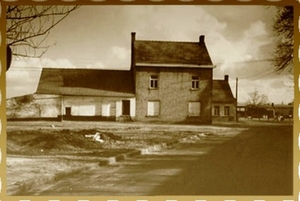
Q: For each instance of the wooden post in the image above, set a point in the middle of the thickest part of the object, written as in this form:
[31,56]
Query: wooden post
[62,108]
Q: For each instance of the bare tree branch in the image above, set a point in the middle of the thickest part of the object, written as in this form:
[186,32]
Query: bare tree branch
[256,99]
[283,29]
[29,26]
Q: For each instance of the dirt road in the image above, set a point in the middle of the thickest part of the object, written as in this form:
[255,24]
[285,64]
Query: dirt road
[257,161]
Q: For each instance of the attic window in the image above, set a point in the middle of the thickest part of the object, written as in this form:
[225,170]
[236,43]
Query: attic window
[195,82]
[153,82]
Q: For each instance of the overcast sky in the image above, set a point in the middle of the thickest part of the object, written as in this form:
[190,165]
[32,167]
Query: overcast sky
[238,38]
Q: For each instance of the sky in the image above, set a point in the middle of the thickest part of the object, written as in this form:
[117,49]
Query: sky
[238,38]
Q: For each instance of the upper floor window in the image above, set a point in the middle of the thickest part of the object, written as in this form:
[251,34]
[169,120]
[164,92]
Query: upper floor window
[195,82]
[153,82]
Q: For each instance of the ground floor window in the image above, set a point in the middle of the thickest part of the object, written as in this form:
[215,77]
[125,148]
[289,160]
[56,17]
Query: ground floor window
[153,108]
[216,110]
[194,108]
[226,111]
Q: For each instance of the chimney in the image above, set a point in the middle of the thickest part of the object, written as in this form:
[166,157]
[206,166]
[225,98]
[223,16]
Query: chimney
[226,78]
[132,65]
[201,39]
[132,36]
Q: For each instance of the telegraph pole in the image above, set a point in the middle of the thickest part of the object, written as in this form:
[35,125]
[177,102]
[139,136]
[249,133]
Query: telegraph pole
[236,100]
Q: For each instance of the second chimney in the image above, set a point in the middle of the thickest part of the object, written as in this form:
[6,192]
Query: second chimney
[226,77]
[201,39]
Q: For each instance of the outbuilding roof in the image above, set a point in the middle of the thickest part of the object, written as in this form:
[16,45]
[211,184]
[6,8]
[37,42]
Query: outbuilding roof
[222,92]
[86,82]
[169,54]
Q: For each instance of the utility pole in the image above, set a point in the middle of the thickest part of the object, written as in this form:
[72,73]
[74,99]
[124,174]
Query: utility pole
[62,108]
[236,100]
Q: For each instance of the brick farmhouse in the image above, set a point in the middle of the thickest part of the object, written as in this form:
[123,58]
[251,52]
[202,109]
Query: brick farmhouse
[167,82]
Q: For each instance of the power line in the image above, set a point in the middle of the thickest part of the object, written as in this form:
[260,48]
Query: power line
[248,61]
[265,75]
[271,68]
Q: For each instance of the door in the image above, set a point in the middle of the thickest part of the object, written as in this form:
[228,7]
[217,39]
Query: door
[125,107]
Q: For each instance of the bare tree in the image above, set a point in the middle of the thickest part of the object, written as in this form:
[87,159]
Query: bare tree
[283,29]
[27,27]
[256,99]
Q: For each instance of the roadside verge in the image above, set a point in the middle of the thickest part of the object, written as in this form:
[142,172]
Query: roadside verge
[25,186]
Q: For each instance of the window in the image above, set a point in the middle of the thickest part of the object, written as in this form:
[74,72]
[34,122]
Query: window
[153,108]
[153,82]
[216,110]
[194,109]
[226,111]
[195,82]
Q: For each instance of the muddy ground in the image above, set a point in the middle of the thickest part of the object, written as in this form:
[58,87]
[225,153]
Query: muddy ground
[45,151]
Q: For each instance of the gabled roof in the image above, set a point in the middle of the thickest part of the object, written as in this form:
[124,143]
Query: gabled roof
[169,54]
[222,92]
[87,82]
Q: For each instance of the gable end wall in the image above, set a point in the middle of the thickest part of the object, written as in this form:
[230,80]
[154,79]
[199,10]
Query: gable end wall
[174,94]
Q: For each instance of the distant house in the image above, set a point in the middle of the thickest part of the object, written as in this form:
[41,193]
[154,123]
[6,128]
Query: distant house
[286,111]
[223,101]
[166,82]
[266,111]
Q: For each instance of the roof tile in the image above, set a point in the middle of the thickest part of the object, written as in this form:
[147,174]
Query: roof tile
[222,92]
[92,82]
[162,52]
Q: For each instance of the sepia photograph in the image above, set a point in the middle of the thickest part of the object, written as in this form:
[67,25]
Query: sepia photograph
[149,100]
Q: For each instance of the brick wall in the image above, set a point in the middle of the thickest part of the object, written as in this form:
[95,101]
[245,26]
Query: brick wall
[174,94]
[38,107]
[222,117]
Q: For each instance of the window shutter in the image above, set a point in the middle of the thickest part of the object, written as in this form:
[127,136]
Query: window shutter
[106,109]
[86,110]
[153,108]
[156,108]
[194,108]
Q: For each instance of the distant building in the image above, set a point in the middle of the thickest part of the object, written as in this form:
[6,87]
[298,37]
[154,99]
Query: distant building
[223,101]
[88,94]
[167,82]
[266,111]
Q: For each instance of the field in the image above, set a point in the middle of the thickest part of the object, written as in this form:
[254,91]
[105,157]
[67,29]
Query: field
[42,152]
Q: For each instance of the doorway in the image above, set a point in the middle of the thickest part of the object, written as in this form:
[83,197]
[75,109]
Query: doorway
[125,107]
[68,111]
